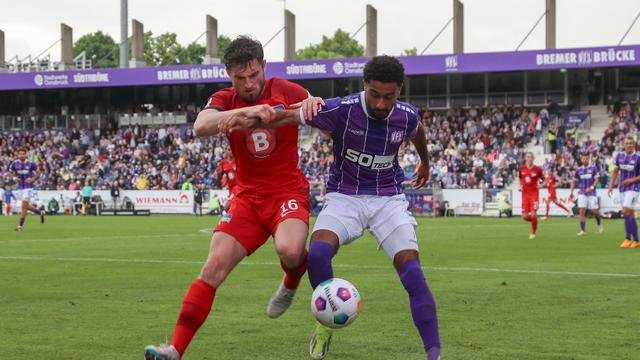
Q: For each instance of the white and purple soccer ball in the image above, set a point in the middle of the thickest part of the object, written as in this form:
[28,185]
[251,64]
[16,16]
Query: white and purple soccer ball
[336,303]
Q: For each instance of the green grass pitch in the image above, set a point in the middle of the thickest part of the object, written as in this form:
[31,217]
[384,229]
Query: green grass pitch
[87,287]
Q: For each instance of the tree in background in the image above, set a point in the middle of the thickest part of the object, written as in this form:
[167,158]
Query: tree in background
[163,49]
[410,52]
[339,46]
[99,47]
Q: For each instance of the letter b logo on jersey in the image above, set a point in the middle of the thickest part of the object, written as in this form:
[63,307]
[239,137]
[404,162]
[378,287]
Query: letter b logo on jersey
[260,142]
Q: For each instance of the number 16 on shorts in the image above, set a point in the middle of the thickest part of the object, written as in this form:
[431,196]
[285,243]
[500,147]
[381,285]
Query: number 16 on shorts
[288,207]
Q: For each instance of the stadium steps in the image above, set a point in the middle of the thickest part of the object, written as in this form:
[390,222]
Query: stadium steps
[600,120]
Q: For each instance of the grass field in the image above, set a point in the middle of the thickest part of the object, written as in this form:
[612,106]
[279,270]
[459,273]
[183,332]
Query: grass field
[82,288]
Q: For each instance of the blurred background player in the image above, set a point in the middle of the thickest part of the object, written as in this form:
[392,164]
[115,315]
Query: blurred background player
[627,167]
[227,175]
[550,182]
[365,189]
[87,191]
[8,198]
[530,184]
[586,177]
[271,196]
[26,173]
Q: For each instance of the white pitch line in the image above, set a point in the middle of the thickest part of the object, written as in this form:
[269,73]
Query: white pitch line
[85,238]
[350,266]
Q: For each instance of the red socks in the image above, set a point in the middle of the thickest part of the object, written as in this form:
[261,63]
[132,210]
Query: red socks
[292,276]
[534,224]
[195,309]
[548,207]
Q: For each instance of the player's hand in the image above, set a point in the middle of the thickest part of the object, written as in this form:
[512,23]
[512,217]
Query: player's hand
[610,192]
[311,106]
[29,180]
[421,176]
[264,113]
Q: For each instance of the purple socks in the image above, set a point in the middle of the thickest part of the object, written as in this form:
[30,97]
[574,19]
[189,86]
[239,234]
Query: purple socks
[583,226]
[319,262]
[22,221]
[423,307]
[631,228]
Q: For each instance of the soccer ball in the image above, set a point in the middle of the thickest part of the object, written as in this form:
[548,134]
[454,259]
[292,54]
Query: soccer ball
[335,303]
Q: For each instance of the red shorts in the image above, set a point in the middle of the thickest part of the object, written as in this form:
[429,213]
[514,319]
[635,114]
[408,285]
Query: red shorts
[529,204]
[553,196]
[252,218]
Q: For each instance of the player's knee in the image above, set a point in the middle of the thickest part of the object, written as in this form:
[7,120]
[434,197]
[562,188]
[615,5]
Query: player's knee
[292,256]
[215,270]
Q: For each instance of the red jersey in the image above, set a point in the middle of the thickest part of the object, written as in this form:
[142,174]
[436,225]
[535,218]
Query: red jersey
[266,159]
[529,179]
[228,168]
[551,185]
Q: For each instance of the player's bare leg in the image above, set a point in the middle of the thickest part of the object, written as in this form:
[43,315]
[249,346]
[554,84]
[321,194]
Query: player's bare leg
[291,245]
[596,215]
[533,219]
[423,305]
[546,216]
[34,209]
[583,224]
[224,254]
[324,246]
[24,210]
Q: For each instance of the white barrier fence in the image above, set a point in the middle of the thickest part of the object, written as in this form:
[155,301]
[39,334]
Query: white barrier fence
[157,201]
[465,201]
[606,203]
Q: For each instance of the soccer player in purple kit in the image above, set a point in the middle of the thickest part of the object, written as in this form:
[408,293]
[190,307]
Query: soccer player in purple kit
[628,169]
[586,177]
[25,172]
[364,190]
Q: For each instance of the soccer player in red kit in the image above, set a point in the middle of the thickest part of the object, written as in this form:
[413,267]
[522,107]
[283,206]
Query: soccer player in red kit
[228,168]
[550,182]
[271,196]
[227,172]
[530,177]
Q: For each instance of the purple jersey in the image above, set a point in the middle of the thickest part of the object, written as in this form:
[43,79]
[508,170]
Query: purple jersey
[629,166]
[365,149]
[23,170]
[585,177]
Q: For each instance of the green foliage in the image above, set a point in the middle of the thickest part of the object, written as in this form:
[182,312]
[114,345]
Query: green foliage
[410,52]
[339,46]
[99,47]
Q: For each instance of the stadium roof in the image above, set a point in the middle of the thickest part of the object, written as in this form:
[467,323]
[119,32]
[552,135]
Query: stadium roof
[614,56]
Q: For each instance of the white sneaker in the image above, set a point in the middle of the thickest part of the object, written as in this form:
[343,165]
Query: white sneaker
[532,236]
[280,301]
[162,352]
[581,233]
[545,218]
[600,229]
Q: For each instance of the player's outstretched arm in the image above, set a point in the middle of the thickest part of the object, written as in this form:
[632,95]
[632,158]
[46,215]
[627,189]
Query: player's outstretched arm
[211,121]
[299,113]
[571,187]
[421,175]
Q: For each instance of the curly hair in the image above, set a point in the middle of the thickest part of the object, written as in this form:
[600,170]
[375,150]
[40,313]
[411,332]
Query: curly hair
[242,50]
[386,69]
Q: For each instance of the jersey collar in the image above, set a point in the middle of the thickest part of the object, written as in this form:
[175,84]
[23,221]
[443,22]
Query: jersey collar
[364,108]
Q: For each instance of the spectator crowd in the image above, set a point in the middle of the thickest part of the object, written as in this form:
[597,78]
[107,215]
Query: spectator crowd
[472,148]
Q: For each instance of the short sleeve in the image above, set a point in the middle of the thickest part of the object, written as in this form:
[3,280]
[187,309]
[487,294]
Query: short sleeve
[327,117]
[220,100]
[412,125]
